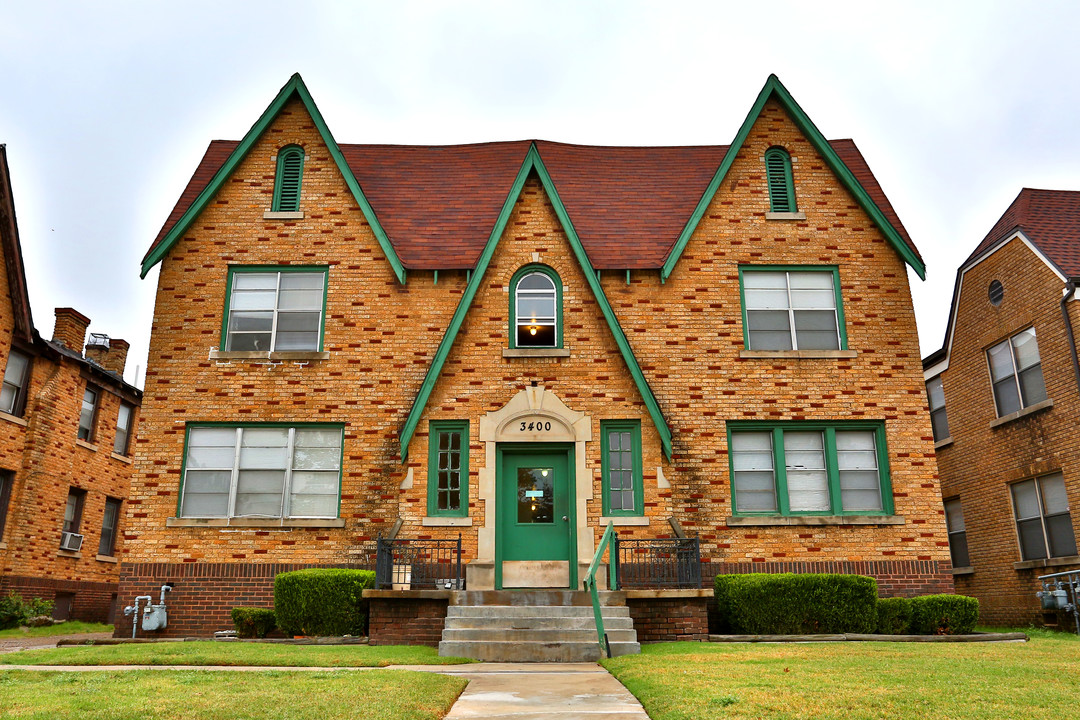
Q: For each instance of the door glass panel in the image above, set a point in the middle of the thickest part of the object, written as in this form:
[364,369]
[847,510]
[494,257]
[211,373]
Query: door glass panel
[535,497]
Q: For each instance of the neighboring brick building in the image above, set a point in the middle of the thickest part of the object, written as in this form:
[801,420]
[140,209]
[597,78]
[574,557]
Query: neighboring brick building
[568,322]
[1005,397]
[65,456]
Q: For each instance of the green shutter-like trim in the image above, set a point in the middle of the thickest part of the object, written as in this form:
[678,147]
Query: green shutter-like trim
[774,88]
[533,163]
[295,86]
[290,171]
[781,184]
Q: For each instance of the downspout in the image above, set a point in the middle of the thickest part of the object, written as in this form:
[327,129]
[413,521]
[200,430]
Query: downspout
[1070,290]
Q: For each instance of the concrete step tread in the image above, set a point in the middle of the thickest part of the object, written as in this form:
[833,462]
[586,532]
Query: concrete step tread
[545,636]
[538,623]
[510,651]
[534,611]
[535,597]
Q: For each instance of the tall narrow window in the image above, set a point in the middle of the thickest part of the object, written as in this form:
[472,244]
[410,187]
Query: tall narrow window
[88,414]
[290,171]
[621,465]
[7,479]
[123,428]
[781,185]
[954,523]
[16,382]
[70,539]
[1043,521]
[536,307]
[448,468]
[935,394]
[792,309]
[275,310]
[109,523]
[1016,373]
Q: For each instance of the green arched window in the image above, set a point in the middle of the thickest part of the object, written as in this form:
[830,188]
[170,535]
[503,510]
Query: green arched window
[781,186]
[290,169]
[536,308]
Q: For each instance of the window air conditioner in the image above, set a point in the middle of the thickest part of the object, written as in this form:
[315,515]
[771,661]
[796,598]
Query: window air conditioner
[70,541]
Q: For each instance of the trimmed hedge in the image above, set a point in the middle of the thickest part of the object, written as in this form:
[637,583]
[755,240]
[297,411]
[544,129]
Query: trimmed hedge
[893,616]
[796,604]
[944,614]
[322,601]
[252,622]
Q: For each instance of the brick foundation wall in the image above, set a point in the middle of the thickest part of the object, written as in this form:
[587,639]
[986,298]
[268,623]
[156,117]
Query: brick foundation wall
[92,601]
[406,622]
[895,578]
[668,619]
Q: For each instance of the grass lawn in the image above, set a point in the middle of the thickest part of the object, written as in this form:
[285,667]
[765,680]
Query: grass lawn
[232,653]
[70,627]
[944,681]
[266,695]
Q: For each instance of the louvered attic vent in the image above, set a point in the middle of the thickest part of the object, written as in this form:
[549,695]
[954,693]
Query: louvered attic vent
[290,170]
[781,187]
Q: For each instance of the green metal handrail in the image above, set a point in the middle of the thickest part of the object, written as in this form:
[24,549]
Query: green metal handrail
[613,582]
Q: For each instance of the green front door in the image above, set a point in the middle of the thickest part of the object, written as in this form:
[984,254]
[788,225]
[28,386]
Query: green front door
[534,522]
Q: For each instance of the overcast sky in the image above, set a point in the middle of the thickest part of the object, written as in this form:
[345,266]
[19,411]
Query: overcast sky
[107,107]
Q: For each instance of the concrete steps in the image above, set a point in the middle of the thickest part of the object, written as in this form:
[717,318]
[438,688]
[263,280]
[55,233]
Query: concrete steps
[535,626]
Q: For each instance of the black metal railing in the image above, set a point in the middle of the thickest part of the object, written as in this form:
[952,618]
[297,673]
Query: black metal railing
[658,563]
[402,564]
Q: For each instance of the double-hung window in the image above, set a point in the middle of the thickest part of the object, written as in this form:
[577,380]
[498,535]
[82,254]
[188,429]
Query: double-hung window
[1016,373]
[809,469]
[16,382]
[73,510]
[266,471]
[88,413]
[957,530]
[110,521]
[124,418]
[620,446]
[1043,521]
[935,394]
[275,309]
[7,479]
[792,308]
[536,308]
[448,468]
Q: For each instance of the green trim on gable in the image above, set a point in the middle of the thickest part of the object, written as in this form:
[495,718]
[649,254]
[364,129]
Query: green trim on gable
[295,86]
[773,87]
[532,163]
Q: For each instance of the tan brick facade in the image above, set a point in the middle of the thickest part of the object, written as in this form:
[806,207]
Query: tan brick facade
[686,333]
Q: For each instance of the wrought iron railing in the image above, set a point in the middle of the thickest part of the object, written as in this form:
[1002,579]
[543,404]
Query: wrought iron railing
[658,563]
[1061,592]
[404,564]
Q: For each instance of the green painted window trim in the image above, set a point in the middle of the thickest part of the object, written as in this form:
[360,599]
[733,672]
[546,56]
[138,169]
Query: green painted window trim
[283,185]
[295,87]
[779,177]
[774,88]
[554,277]
[634,427]
[215,423]
[840,321]
[780,470]
[448,426]
[234,269]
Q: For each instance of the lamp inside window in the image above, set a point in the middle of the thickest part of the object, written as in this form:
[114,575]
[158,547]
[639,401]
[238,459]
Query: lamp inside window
[535,309]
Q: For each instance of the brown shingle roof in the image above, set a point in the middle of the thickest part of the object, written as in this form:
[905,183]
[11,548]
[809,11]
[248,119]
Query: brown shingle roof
[1050,219]
[438,204]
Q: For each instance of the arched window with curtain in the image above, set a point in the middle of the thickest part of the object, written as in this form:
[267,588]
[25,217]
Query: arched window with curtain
[781,185]
[290,170]
[536,308]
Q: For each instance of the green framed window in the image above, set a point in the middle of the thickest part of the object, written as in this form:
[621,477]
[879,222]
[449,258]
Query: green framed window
[620,447]
[781,184]
[805,468]
[536,308]
[448,468]
[792,307]
[274,308]
[266,470]
[290,172]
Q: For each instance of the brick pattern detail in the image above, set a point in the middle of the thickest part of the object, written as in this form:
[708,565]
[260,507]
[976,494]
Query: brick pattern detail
[406,622]
[895,578]
[92,601]
[666,620]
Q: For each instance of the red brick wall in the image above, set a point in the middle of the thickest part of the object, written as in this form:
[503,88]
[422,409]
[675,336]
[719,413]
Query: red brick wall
[93,601]
[415,621]
[666,620]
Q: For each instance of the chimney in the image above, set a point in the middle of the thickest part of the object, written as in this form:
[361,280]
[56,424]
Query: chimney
[70,328]
[116,356]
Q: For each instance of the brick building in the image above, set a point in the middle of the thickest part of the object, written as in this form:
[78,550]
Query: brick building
[66,421]
[520,342]
[1004,398]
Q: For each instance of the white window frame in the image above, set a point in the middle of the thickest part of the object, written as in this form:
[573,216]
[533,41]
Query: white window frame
[1016,370]
[236,273]
[1042,517]
[836,307]
[935,383]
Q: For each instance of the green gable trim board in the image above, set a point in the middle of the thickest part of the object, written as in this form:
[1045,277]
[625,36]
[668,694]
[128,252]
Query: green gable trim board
[533,163]
[774,88]
[295,86]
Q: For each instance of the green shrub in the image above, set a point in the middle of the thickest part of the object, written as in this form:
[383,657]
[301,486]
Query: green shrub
[322,601]
[15,611]
[796,604]
[252,622]
[893,616]
[944,614]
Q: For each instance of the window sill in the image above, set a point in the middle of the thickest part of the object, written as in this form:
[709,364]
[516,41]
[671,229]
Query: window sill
[785,216]
[83,444]
[437,521]
[122,458]
[800,520]
[963,570]
[800,354]
[259,355]
[256,522]
[624,521]
[1047,563]
[944,442]
[69,554]
[13,419]
[1029,410]
[107,559]
[535,352]
[271,215]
